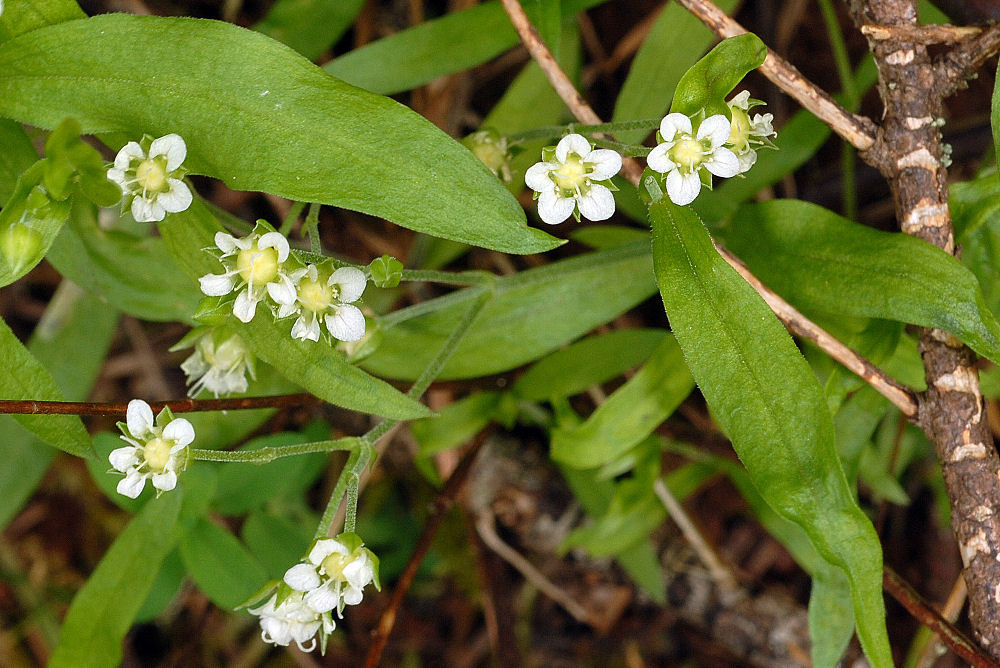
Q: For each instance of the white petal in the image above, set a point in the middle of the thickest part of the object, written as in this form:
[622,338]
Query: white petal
[216,285]
[227,243]
[302,577]
[323,599]
[741,101]
[674,123]
[537,176]
[306,329]
[165,481]
[277,242]
[359,572]
[129,151]
[132,484]
[171,146]
[147,210]
[118,176]
[553,209]
[747,160]
[286,310]
[124,458]
[177,199]
[139,418]
[302,632]
[352,596]
[324,548]
[179,431]
[346,323]
[723,163]
[659,160]
[351,282]
[683,189]
[606,163]
[282,291]
[245,306]
[573,143]
[598,204]
[716,128]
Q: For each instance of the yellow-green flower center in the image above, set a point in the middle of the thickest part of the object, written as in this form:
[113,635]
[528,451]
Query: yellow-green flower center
[688,153]
[334,565]
[316,295]
[157,454]
[572,175]
[151,175]
[740,134]
[257,265]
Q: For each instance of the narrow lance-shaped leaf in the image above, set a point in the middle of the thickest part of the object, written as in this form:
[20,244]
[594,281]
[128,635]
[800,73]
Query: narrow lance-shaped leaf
[711,79]
[313,365]
[767,400]
[820,261]
[260,117]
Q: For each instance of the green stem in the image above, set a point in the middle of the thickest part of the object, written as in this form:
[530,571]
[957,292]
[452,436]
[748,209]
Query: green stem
[559,130]
[449,277]
[312,228]
[265,455]
[362,456]
[293,215]
[394,318]
[630,150]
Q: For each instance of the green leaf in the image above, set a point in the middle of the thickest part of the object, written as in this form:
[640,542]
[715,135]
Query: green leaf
[220,564]
[260,117]
[103,610]
[23,16]
[820,261]
[592,361]
[609,236]
[134,273]
[831,619]
[676,39]
[630,414]
[314,366]
[29,223]
[995,119]
[711,79]
[278,543]
[309,26]
[531,314]
[23,377]
[164,589]
[456,423]
[767,400]
[17,155]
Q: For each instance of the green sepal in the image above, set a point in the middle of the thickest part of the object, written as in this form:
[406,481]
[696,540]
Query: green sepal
[386,271]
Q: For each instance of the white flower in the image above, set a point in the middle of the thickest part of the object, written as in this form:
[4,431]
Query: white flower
[333,575]
[330,297]
[747,135]
[292,619]
[219,363]
[151,178]
[683,155]
[156,452]
[255,261]
[566,181]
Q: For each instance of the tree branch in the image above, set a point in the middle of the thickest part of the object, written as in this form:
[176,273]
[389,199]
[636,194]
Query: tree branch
[953,68]
[24,407]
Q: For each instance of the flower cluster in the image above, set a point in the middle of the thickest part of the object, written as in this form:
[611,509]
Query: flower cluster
[220,361]
[260,267]
[157,450]
[572,176]
[149,174]
[332,576]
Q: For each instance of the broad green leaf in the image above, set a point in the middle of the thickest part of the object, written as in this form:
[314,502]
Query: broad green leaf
[767,400]
[546,16]
[220,565]
[73,321]
[456,423]
[592,361]
[164,589]
[29,222]
[630,414]
[975,213]
[21,16]
[23,377]
[134,273]
[711,79]
[260,117]
[673,44]
[103,610]
[531,314]
[244,487]
[17,155]
[820,261]
[309,26]
[312,365]
[995,119]
[831,619]
[413,57]
[278,543]
[609,236]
